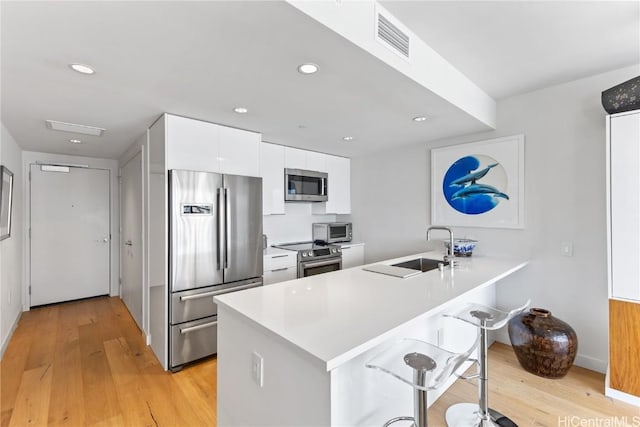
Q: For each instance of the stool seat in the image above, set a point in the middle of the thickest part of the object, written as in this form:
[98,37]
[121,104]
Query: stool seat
[420,365]
[485,317]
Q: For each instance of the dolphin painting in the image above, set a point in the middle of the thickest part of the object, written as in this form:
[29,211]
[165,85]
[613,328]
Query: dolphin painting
[473,177]
[477,189]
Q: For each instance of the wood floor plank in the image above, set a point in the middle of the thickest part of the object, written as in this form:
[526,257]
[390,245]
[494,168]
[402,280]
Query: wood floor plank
[126,378]
[66,407]
[32,402]
[100,400]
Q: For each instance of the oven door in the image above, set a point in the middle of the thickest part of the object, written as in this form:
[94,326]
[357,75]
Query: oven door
[311,268]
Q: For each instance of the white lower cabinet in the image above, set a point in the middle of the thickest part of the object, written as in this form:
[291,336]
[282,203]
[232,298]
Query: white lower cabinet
[279,266]
[352,254]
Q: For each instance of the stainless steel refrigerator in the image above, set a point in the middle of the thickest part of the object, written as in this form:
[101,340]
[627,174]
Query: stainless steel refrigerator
[215,247]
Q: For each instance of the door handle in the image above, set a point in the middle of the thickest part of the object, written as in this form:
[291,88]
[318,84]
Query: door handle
[128,243]
[220,230]
[103,240]
[227,220]
[197,328]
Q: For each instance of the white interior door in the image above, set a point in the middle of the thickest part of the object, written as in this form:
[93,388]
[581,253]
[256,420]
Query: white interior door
[131,237]
[70,235]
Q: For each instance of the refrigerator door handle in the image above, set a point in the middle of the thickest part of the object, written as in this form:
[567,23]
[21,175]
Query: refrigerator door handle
[220,230]
[227,237]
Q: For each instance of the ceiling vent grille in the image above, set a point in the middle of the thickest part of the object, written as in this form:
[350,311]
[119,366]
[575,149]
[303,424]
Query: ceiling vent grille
[392,36]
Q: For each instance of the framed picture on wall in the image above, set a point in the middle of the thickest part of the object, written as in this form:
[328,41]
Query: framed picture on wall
[480,184]
[6,192]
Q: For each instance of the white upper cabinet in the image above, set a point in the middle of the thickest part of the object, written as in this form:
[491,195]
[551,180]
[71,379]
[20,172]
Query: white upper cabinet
[317,161]
[339,188]
[192,144]
[239,152]
[203,146]
[339,169]
[272,173]
[295,158]
[624,209]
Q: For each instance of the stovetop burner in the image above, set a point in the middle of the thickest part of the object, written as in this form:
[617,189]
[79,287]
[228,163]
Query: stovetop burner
[310,250]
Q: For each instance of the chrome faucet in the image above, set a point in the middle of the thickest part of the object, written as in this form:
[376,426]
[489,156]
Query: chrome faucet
[450,249]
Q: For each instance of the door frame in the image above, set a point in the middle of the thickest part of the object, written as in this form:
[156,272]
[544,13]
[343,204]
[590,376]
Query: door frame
[29,158]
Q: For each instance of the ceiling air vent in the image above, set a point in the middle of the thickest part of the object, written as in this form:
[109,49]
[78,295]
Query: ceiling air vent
[392,36]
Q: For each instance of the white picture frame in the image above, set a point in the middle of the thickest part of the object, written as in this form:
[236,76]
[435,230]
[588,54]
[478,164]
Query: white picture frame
[479,184]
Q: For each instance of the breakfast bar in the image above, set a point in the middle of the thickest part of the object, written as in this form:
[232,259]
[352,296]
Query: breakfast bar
[294,353]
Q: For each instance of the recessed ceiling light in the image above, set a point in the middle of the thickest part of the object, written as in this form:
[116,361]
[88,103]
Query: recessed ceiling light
[74,128]
[81,68]
[419,119]
[348,138]
[75,141]
[308,68]
[240,110]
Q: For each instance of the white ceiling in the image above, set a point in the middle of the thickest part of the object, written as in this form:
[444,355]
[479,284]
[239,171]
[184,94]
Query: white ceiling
[512,47]
[202,59]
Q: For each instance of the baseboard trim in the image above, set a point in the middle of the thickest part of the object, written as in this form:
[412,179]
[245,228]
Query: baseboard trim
[10,334]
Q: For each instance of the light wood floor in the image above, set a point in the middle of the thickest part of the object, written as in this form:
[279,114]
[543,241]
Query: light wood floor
[85,363]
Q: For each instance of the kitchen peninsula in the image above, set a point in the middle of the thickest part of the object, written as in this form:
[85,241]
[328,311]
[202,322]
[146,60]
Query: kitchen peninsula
[294,353]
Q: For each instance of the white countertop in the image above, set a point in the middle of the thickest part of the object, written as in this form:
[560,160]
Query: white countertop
[337,316]
[270,251]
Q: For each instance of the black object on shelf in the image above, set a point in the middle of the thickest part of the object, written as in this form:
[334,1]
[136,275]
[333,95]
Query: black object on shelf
[623,97]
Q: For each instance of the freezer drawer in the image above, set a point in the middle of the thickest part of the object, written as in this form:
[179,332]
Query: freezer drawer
[198,303]
[193,304]
[193,340]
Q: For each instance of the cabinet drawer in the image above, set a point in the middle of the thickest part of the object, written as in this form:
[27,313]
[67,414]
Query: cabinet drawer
[280,275]
[276,261]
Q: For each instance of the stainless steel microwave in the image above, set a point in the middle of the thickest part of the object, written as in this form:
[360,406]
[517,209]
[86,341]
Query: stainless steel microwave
[332,232]
[305,186]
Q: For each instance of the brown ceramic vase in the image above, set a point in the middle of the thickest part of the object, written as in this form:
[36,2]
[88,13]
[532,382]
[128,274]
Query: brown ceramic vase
[545,345]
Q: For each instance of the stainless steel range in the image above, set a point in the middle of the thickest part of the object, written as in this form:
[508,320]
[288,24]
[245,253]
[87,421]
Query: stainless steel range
[315,258]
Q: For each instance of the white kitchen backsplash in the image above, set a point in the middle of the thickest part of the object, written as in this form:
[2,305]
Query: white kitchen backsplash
[294,226]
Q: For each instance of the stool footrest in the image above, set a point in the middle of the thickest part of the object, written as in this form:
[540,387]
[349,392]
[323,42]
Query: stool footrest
[396,419]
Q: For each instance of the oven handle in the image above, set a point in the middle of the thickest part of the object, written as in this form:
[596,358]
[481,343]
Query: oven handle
[197,328]
[336,260]
[220,292]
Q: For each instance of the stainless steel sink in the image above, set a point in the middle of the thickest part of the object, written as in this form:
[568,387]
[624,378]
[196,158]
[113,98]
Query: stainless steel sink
[421,264]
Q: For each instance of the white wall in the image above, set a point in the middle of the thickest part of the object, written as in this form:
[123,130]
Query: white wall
[11,249]
[31,157]
[294,226]
[564,129]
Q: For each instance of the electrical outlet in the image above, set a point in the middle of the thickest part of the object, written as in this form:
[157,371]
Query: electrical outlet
[566,248]
[257,368]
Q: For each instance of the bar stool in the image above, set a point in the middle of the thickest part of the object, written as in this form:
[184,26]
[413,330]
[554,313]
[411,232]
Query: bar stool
[480,415]
[422,366]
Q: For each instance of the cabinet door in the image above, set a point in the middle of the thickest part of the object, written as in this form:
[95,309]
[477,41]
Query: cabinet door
[272,172]
[339,169]
[238,154]
[192,144]
[317,161]
[294,158]
[279,275]
[625,206]
[352,256]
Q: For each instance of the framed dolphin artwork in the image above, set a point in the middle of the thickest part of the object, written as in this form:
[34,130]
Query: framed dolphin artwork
[480,184]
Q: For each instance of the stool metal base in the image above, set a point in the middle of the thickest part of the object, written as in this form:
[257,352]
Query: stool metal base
[466,415]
